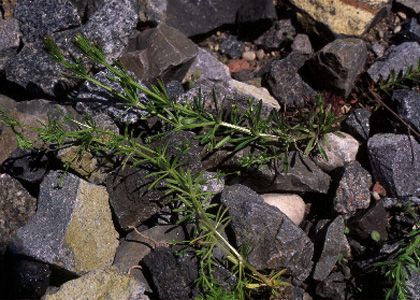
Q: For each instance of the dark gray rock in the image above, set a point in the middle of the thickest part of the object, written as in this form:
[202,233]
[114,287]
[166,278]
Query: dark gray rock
[374,219]
[16,207]
[302,44]
[281,33]
[87,8]
[43,17]
[162,52]
[303,176]
[395,161]
[232,47]
[255,11]
[335,244]
[94,100]
[9,40]
[410,32]
[272,238]
[407,103]
[411,5]
[353,192]
[413,288]
[284,82]
[339,62]
[333,287]
[357,124]
[173,276]
[399,59]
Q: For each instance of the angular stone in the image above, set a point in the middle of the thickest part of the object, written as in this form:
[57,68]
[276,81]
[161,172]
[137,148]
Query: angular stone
[9,40]
[399,59]
[373,219]
[333,287]
[340,62]
[232,47]
[407,103]
[284,82]
[162,52]
[410,32]
[214,184]
[395,161]
[43,17]
[106,284]
[72,227]
[173,276]
[16,208]
[280,33]
[207,67]
[87,8]
[357,124]
[335,244]
[302,176]
[272,238]
[340,148]
[343,17]
[411,5]
[301,43]
[291,205]
[353,190]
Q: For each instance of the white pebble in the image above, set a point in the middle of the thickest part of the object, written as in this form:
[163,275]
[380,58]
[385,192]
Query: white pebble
[291,205]
[249,55]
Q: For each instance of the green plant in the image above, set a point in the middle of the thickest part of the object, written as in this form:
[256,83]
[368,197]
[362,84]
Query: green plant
[397,266]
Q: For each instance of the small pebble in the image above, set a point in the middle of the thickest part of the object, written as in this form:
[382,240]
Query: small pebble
[402,15]
[260,54]
[249,55]
[397,29]
[216,47]
[381,34]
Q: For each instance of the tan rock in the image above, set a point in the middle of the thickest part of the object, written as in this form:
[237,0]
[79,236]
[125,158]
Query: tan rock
[101,284]
[347,17]
[291,205]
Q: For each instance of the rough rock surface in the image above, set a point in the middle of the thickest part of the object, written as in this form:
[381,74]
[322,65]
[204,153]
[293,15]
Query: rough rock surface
[274,241]
[9,40]
[340,148]
[291,205]
[16,208]
[411,5]
[335,244]
[162,52]
[256,11]
[395,161]
[343,17]
[353,190]
[100,284]
[301,43]
[357,124]
[72,227]
[284,82]
[232,47]
[340,62]
[280,33]
[174,276]
[333,287]
[407,103]
[373,219]
[399,59]
[43,17]
[302,176]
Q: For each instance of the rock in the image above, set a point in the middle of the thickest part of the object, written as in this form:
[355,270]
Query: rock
[333,287]
[395,161]
[8,7]
[214,183]
[272,238]
[207,67]
[260,54]
[411,32]
[340,62]
[411,5]
[303,176]
[291,205]
[407,104]
[174,276]
[9,40]
[106,283]
[94,100]
[253,12]
[87,8]
[353,190]
[238,65]
[284,82]
[16,208]
[378,49]
[72,228]
[249,55]
[280,33]
[413,289]
[399,59]
[374,219]
[335,245]
[232,47]
[162,52]
[44,17]
[357,124]
[302,44]
[342,17]
[340,148]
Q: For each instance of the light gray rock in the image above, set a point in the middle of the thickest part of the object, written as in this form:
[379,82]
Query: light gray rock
[395,161]
[301,43]
[9,40]
[407,103]
[273,240]
[72,227]
[399,59]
